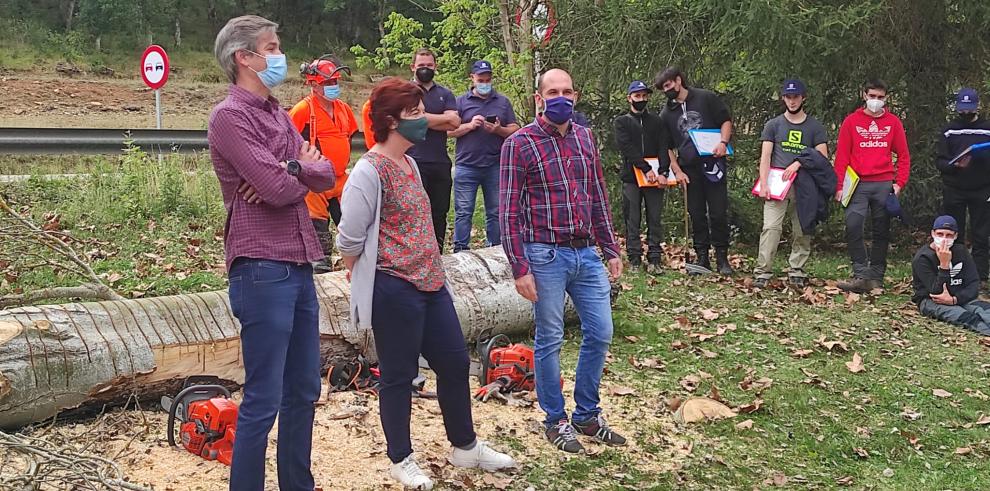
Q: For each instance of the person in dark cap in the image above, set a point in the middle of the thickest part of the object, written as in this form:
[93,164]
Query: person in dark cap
[640,135]
[784,138]
[487,119]
[966,183]
[946,283]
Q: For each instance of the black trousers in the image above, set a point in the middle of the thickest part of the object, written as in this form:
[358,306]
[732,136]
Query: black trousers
[633,200]
[437,182]
[708,204]
[956,202]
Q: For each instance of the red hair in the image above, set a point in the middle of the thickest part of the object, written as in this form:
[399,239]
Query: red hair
[388,99]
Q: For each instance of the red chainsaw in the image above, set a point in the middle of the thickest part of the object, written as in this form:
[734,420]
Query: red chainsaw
[207,417]
[504,367]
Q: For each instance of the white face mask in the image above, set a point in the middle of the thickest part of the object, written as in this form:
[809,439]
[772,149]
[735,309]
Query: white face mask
[874,105]
[943,241]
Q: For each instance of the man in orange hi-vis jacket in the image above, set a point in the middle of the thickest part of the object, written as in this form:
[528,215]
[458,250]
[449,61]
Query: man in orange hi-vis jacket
[327,123]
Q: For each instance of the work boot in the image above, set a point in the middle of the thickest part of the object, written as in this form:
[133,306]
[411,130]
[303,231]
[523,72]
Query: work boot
[722,260]
[654,267]
[701,260]
[563,436]
[760,282]
[598,428]
[481,455]
[798,281]
[635,262]
[859,285]
[410,475]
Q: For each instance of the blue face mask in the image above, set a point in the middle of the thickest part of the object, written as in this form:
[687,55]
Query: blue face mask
[331,91]
[483,89]
[275,71]
[558,110]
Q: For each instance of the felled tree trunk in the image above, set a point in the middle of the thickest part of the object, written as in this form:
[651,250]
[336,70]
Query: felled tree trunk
[83,356]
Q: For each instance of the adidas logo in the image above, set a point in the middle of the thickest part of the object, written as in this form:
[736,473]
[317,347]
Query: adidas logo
[874,133]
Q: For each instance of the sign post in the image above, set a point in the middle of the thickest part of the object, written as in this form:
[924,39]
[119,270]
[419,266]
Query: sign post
[154,72]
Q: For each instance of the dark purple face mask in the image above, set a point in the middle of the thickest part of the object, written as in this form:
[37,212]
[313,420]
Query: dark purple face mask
[558,109]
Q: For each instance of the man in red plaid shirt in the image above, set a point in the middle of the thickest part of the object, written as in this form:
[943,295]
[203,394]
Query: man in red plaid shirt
[553,210]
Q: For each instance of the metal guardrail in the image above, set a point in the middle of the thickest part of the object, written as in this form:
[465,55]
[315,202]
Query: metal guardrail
[96,141]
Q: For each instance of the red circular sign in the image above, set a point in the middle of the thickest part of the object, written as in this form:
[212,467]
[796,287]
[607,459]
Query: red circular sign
[154,67]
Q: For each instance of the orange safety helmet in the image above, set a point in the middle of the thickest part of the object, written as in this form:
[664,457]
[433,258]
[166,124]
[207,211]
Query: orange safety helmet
[323,70]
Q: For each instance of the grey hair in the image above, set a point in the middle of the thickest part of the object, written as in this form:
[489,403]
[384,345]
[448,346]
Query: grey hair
[240,33]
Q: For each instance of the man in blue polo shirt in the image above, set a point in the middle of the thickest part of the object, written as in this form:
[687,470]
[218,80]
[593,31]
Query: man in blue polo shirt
[487,119]
[431,155]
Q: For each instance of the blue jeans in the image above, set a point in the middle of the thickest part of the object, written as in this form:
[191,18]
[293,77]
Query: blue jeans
[581,274]
[276,305]
[467,179]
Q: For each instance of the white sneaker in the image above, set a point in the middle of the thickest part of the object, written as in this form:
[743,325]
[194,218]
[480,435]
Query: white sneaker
[410,475]
[481,456]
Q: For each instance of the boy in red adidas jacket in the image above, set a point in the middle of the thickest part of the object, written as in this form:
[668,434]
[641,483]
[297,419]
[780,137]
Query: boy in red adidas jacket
[869,139]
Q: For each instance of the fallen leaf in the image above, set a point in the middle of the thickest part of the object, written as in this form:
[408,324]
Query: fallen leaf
[690,382]
[844,481]
[963,451]
[888,472]
[983,420]
[751,407]
[856,365]
[801,353]
[910,414]
[678,344]
[779,479]
[714,394]
[632,339]
[625,286]
[701,336]
[500,483]
[709,314]
[941,393]
[708,354]
[745,425]
[698,409]
[833,345]
[861,452]
[622,390]
[674,403]
[852,298]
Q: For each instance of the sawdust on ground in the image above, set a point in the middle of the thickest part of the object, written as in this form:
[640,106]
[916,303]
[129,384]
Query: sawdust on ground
[349,446]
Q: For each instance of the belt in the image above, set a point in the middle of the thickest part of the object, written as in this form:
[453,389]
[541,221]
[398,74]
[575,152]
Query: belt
[573,243]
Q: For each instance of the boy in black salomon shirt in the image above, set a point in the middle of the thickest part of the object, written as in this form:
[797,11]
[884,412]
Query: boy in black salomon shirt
[946,283]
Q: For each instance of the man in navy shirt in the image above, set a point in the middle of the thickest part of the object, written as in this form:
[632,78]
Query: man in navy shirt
[431,155]
[487,119]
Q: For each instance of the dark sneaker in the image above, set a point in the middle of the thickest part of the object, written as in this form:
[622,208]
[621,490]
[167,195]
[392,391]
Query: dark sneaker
[798,281]
[635,262]
[599,429]
[761,282]
[563,436]
[858,285]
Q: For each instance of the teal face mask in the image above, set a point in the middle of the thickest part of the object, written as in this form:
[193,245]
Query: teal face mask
[483,89]
[275,70]
[331,91]
[413,130]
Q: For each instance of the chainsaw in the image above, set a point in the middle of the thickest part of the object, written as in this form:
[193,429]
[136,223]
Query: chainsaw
[207,418]
[504,367]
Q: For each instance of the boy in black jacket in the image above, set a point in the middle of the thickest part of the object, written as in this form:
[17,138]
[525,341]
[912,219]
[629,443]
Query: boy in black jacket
[946,283]
[966,185]
[640,134]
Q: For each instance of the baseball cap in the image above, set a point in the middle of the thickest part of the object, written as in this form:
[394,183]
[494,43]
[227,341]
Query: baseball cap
[638,86]
[893,206]
[945,222]
[481,66]
[967,99]
[792,87]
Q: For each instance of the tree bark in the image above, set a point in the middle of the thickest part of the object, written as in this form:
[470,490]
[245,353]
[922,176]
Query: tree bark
[69,11]
[84,356]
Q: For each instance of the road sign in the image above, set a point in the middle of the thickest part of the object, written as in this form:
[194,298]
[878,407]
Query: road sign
[154,72]
[154,67]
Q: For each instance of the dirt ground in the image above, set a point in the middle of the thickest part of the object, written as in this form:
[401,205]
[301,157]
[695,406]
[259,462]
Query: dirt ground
[349,447]
[37,100]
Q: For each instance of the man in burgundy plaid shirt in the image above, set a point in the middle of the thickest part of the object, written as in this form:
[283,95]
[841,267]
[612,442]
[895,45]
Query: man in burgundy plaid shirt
[265,170]
[553,210]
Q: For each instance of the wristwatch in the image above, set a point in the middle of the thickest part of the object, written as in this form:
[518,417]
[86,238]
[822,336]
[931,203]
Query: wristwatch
[292,167]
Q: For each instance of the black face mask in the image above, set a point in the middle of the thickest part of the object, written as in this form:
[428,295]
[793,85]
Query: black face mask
[799,109]
[968,117]
[640,106]
[671,94]
[425,74]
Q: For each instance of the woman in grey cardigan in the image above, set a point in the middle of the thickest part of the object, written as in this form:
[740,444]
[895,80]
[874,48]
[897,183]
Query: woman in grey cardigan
[397,286]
